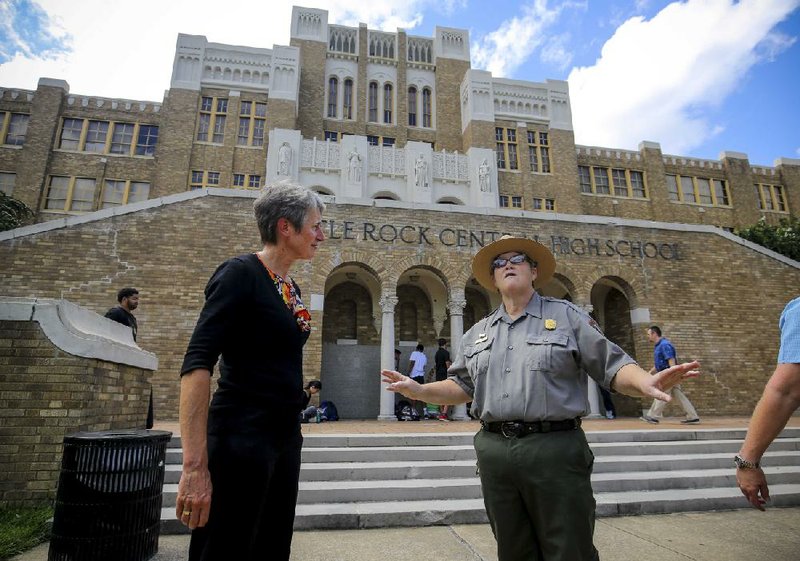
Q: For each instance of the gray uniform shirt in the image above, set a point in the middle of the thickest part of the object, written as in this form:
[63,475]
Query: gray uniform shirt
[534,368]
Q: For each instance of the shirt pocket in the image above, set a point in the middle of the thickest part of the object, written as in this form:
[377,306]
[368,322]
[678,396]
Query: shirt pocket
[477,356]
[548,352]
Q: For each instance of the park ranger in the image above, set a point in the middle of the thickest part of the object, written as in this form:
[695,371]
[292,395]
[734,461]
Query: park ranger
[524,367]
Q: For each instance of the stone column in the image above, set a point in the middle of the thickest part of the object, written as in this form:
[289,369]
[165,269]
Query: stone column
[594,393]
[387,303]
[456,306]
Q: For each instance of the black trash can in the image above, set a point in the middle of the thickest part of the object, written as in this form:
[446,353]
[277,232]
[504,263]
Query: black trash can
[108,504]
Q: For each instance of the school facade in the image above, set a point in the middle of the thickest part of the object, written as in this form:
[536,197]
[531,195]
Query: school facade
[422,160]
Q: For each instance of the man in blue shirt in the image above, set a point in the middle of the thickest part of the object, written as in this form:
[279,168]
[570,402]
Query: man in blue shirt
[780,399]
[664,356]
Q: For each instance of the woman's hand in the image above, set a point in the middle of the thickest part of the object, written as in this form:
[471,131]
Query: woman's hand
[193,503]
[663,381]
[401,384]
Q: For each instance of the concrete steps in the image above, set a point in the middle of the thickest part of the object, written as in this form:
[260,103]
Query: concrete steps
[369,481]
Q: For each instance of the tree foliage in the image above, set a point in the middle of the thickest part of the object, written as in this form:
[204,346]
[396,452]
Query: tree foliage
[783,238]
[13,213]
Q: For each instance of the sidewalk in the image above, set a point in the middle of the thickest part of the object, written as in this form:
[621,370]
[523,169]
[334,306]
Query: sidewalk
[710,536]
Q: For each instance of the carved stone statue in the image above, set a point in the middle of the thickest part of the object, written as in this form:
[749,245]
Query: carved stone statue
[285,159]
[484,180]
[421,172]
[354,167]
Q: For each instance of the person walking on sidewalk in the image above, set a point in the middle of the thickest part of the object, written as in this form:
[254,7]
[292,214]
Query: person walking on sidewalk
[664,356]
[524,367]
[780,399]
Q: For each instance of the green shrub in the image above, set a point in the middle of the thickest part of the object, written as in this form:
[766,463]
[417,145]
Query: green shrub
[783,238]
[13,213]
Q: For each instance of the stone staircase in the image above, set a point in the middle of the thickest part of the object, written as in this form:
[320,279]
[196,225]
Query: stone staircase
[382,480]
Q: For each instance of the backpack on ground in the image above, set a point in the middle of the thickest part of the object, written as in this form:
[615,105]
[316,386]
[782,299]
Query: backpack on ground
[405,412]
[328,411]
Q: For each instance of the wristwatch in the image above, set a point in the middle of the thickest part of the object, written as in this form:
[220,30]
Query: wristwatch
[741,463]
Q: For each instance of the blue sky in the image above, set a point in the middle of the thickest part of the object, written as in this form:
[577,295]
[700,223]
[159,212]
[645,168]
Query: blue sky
[699,77]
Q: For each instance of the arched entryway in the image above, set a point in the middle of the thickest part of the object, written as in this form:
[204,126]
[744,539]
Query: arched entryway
[351,354]
[612,300]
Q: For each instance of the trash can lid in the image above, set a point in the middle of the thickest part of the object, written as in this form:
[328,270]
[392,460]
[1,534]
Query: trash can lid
[119,434]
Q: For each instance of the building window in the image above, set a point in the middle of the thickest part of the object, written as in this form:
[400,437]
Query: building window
[427,108]
[246,181]
[146,140]
[71,130]
[93,136]
[412,106]
[637,184]
[544,204]
[211,125]
[118,192]
[254,182]
[74,194]
[601,185]
[506,139]
[611,181]
[388,103]
[96,135]
[585,179]
[373,140]
[538,152]
[7,182]
[770,197]
[238,180]
[373,102]
[698,190]
[14,128]
[516,202]
[202,179]
[504,201]
[252,122]
[333,94]
[122,138]
[333,136]
[348,99]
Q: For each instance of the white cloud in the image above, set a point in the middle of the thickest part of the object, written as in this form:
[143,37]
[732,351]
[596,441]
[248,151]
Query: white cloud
[502,51]
[655,78]
[125,49]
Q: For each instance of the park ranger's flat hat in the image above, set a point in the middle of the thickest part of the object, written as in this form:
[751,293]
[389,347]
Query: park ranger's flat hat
[482,262]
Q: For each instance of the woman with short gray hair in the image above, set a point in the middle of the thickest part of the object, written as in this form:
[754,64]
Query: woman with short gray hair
[246,445]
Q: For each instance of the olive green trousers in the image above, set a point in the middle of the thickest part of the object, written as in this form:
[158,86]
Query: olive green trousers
[538,495]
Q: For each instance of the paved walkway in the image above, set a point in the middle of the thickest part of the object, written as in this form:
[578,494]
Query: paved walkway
[708,536]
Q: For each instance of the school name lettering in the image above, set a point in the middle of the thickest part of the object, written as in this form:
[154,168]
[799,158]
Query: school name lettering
[454,237]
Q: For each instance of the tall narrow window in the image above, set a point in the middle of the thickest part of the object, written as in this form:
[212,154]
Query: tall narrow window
[212,119]
[348,99]
[412,106]
[373,102]
[333,94]
[427,112]
[17,129]
[388,102]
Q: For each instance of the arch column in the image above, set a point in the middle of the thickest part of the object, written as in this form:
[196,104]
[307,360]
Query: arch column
[594,392]
[387,303]
[456,305]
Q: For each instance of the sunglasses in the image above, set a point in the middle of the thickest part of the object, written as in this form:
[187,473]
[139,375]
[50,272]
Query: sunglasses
[499,263]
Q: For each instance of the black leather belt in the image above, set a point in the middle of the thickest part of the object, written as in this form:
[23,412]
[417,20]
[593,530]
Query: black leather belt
[521,428]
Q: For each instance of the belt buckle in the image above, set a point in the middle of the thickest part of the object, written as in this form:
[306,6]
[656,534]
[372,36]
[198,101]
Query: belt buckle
[513,428]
